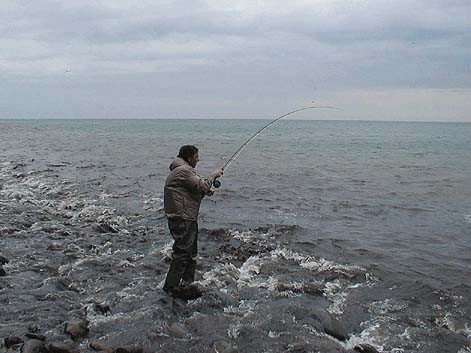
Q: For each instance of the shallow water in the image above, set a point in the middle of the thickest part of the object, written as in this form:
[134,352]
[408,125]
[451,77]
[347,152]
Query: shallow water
[369,221]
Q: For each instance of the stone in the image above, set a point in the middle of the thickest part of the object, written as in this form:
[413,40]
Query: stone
[12,341]
[62,348]
[2,272]
[216,233]
[331,325]
[34,346]
[76,329]
[35,336]
[3,260]
[365,348]
[177,330]
[313,289]
[33,328]
[129,349]
[223,346]
[102,308]
[100,346]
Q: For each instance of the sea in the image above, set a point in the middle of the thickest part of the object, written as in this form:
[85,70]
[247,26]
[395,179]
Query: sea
[325,236]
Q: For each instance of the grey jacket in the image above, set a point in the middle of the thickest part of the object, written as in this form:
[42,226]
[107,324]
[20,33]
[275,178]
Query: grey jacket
[184,190]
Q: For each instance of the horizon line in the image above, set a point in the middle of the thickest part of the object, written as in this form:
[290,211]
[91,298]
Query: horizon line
[227,118]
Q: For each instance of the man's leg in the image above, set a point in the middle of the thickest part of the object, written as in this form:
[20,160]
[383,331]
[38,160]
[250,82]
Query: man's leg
[189,274]
[182,249]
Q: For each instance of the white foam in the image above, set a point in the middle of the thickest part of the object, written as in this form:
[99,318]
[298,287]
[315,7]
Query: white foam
[154,204]
[369,335]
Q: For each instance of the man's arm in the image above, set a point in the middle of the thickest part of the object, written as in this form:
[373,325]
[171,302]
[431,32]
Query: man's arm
[192,181]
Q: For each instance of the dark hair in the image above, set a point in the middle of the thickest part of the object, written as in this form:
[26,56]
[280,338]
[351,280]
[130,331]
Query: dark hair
[187,151]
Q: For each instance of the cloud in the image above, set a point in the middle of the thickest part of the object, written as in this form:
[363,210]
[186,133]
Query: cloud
[331,45]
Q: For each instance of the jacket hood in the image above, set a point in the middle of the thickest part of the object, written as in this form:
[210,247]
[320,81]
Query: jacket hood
[177,162]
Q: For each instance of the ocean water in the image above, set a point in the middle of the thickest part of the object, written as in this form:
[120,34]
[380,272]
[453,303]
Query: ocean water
[369,222]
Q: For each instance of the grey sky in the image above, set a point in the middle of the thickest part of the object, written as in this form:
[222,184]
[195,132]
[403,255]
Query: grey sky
[381,60]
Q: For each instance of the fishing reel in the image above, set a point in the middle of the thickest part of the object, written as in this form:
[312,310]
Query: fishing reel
[216,183]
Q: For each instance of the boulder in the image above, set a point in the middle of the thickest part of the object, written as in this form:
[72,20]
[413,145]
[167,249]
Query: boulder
[3,260]
[102,308]
[365,348]
[129,349]
[223,346]
[100,346]
[76,329]
[12,341]
[177,330]
[331,325]
[34,346]
[35,336]
[2,272]
[62,348]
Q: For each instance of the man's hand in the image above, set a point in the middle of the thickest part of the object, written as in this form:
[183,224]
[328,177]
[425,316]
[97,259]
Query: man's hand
[216,173]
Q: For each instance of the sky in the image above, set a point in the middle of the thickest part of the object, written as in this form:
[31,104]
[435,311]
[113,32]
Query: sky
[376,60]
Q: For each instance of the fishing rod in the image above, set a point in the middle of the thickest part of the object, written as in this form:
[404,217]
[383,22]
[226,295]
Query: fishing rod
[217,183]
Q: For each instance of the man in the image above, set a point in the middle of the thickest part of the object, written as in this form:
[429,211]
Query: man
[183,193]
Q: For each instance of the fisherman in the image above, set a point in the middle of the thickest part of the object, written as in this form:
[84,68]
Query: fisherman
[183,193]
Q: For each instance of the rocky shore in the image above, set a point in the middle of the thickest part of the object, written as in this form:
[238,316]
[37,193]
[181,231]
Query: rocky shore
[76,292]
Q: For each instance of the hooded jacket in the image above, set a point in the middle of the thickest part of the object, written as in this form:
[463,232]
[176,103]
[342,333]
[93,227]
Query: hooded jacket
[184,190]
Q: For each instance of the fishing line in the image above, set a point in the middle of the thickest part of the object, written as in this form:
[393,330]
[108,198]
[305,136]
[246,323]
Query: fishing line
[217,183]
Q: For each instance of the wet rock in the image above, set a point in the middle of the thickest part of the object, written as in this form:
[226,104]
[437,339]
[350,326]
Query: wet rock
[102,308]
[177,330]
[299,346]
[218,232]
[2,272]
[33,328]
[76,329]
[129,349]
[3,260]
[235,243]
[34,346]
[331,325]
[313,289]
[365,348]
[223,346]
[62,348]
[12,341]
[100,346]
[35,336]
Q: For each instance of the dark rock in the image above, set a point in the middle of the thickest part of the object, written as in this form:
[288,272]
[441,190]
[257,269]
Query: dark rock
[2,272]
[129,349]
[223,346]
[3,260]
[35,336]
[365,348]
[235,243]
[33,328]
[62,348]
[34,346]
[76,329]
[100,346]
[102,308]
[313,289]
[331,325]
[218,232]
[298,346]
[177,330]
[12,341]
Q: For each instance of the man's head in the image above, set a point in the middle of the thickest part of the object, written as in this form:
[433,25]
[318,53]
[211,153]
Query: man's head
[190,154]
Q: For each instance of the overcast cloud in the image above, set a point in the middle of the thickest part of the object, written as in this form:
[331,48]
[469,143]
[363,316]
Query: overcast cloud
[382,60]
